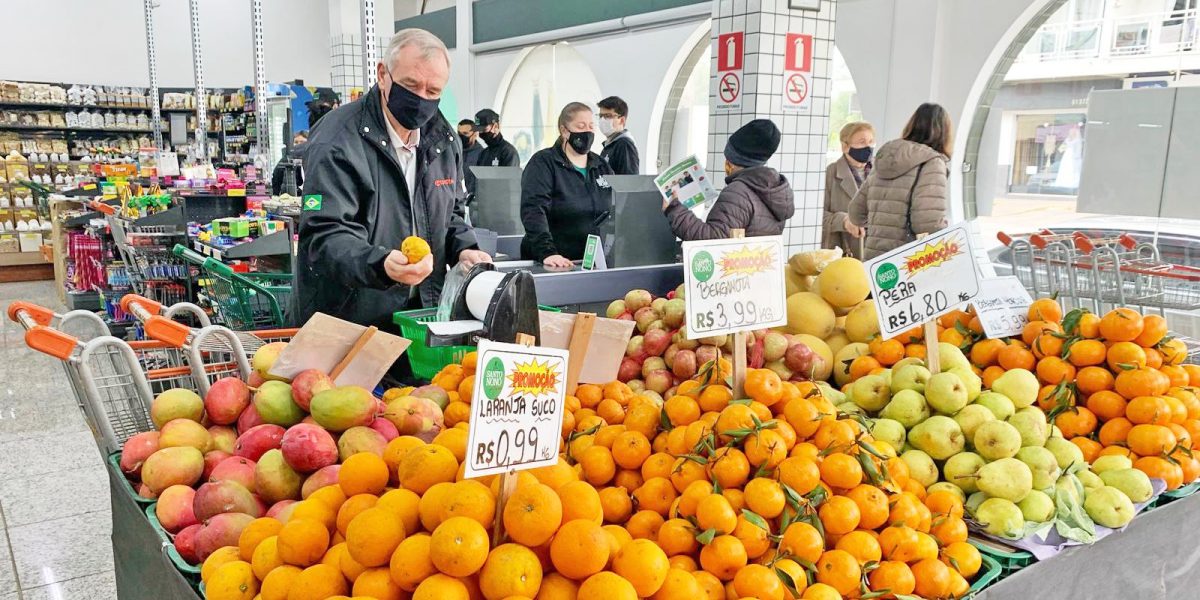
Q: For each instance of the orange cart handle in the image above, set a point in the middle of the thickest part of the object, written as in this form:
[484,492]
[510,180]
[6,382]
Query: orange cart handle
[153,307]
[40,314]
[101,207]
[51,341]
[167,331]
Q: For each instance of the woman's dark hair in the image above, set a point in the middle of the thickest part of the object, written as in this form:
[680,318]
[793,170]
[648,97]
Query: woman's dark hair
[930,125]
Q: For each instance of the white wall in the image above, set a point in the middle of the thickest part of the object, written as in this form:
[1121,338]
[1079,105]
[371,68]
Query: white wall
[103,42]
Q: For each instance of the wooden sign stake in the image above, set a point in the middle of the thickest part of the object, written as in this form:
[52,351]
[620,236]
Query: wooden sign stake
[932,361]
[581,337]
[354,350]
[508,480]
[739,345]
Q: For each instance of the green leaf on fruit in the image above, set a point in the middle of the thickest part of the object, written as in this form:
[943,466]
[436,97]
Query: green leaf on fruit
[788,582]
[756,520]
[706,537]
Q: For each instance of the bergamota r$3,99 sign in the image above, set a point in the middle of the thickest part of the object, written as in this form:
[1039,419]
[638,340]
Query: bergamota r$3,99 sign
[517,408]
[733,285]
[923,280]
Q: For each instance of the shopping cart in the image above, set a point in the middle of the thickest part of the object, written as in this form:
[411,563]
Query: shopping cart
[145,250]
[242,301]
[1082,272]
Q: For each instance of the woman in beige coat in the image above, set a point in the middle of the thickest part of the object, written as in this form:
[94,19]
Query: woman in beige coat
[906,193]
[842,180]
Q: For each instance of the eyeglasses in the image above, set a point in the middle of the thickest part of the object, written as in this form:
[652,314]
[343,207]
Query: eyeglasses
[608,115]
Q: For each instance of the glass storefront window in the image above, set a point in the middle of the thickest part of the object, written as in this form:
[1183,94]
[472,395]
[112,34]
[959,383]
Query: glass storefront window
[1047,154]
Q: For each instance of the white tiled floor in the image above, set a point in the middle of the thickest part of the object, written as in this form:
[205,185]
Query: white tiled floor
[53,489]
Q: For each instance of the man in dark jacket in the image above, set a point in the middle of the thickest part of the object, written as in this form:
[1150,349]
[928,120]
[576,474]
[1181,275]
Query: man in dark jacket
[619,150]
[472,150]
[380,169]
[499,152]
[756,197]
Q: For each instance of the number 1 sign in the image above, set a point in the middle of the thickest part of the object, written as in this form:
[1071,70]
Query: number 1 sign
[516,409]
[923,280]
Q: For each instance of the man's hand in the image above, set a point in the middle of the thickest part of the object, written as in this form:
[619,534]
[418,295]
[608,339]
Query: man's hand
[470,258]
[397,268]
[557,261]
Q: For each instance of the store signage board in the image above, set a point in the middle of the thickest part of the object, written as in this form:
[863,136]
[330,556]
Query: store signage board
[593,254]
[734,285]
[731,53]
[1002,306]
[923,280]
[517,411]
[797,72]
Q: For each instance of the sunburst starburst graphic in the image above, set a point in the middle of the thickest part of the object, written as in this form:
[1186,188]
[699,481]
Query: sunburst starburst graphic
[747,261]
[931,255]
[533,378]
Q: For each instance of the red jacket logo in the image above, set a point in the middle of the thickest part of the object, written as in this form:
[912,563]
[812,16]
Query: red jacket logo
[442,182]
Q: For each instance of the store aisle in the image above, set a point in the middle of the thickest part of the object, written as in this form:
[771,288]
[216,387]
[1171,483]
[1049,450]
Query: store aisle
[54,507]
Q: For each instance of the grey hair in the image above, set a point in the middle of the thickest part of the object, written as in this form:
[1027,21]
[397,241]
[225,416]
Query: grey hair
[426,42]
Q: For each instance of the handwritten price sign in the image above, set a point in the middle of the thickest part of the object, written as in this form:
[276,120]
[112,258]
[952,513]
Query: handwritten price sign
[923,280]
[517,408]
[1002,306]
[733,285]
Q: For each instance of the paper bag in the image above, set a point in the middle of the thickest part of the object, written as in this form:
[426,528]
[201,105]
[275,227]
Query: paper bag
[609,340]
[325,341]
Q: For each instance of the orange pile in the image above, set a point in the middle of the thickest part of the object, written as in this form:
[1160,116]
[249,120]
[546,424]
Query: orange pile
[1114,384]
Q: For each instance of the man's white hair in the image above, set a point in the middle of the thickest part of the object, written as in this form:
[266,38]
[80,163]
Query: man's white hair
[427,43]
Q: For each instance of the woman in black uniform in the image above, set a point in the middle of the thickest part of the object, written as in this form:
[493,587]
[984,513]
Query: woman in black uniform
[564,193]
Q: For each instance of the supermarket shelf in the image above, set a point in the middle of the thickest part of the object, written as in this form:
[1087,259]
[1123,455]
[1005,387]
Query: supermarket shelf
[38,105]
[12,259]
[273,244]
[70,129]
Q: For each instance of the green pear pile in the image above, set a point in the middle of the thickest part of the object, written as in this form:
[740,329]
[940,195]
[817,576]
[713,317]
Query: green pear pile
[994,448]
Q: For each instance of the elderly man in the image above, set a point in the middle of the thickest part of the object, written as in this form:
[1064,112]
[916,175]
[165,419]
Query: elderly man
[378,170]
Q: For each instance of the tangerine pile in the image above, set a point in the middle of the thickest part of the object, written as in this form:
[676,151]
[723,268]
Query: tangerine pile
[1112,384]
[706,496]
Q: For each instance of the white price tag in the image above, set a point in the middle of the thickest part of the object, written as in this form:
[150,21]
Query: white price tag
[923,280]
[1002,306]
[517,408]
[734,285]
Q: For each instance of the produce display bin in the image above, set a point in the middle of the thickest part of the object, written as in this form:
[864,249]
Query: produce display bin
[989,572]
[143,571]
[1008,560]
[190,571]
[426,361]
[114,464]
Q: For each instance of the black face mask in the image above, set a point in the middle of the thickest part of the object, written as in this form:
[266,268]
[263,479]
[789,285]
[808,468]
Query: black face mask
[466,140]
[489,137]
[862,155]
[411,110]
[581,141]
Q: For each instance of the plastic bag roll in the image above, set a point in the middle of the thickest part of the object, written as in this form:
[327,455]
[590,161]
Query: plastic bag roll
[480,292]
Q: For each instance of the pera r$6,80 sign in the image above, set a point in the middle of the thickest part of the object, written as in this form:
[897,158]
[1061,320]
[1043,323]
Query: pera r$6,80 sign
[516,409]
[923,280]
[733,285]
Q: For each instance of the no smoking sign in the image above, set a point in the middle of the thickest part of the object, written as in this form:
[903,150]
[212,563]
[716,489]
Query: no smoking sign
[731,52]
[797,73]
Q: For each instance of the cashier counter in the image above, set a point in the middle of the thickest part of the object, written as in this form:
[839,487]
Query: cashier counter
[639,248]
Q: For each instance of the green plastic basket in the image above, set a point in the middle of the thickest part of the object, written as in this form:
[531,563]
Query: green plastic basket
[426,361]
[1008,560]
[989,572]
[114,459]
[192,572]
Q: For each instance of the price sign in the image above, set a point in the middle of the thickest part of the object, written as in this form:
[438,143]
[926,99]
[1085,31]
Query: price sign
[1002,306]
[517,408]
[733,285]
[923,280]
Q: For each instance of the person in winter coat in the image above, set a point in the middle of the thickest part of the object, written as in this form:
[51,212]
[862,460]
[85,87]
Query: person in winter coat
[842,180]
[378,170]
[906,193]
[756,197]
[564,194]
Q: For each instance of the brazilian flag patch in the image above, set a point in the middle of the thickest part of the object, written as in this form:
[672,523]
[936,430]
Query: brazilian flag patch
[312,202]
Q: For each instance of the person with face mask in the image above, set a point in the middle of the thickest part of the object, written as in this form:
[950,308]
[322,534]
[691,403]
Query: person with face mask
[380,169]
[756,198]
[564,193]
[619,150]
[499,153]
[472,149]
[843,177]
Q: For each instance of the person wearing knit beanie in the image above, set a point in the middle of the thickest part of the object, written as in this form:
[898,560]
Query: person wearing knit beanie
[756,197]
